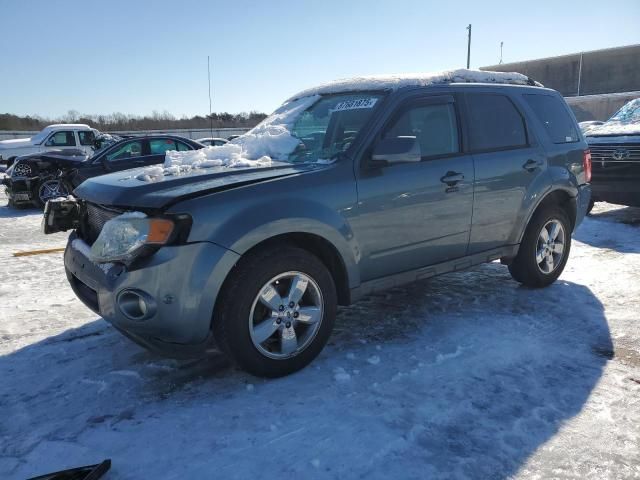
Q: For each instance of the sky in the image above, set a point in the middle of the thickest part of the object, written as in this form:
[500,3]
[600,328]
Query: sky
[137,57]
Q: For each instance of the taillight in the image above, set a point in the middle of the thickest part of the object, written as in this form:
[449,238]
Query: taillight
[586,163]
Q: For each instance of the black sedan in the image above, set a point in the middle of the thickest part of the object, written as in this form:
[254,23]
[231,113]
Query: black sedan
[34,179]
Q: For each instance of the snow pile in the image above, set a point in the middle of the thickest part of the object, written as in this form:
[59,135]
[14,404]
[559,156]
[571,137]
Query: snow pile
[393,82]
[269,140]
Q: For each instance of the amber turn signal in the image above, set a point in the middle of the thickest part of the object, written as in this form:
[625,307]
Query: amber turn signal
[160,230]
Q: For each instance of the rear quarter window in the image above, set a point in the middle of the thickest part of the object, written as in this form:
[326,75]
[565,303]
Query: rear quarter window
[553,115]
[495,122]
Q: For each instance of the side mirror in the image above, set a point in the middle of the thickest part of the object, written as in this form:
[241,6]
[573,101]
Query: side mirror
[397,150]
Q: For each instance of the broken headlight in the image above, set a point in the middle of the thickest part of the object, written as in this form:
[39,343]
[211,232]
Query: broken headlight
[122,238]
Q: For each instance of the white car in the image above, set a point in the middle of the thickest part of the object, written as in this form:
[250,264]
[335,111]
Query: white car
[212,141]
[64,136]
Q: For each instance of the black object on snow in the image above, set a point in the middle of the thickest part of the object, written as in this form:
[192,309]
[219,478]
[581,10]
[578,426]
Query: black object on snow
[90,472]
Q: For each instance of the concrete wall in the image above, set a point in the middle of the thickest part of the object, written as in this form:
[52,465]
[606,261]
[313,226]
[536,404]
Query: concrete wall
[613,70]
[194,134]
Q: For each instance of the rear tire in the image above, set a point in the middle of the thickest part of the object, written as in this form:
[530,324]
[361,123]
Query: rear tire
[260,322]
[544,249]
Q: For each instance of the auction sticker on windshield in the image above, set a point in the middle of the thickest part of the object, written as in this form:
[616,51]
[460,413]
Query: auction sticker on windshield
[355,104]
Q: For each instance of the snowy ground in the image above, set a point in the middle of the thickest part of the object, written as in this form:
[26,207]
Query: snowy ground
[463,376]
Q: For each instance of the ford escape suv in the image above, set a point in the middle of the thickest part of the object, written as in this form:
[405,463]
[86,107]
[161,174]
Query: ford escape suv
[348,188]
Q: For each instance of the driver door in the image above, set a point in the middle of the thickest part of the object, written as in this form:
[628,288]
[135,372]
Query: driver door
[416,213]
[61,140]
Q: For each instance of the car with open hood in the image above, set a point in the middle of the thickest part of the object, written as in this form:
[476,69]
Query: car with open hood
[615,151]
[35,179]
[348,188]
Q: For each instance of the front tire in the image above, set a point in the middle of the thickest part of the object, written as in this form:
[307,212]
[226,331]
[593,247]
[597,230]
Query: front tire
[276,311]
[544,249]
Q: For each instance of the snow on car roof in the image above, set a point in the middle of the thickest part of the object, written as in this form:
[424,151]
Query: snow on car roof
[68,125]
[393,82]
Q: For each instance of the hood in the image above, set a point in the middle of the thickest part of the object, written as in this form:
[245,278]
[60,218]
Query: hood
[64,156]
[15,143]
[614,128]
[126,189]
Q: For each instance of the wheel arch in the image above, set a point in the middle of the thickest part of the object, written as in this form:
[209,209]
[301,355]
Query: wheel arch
[558,196]
[325,250]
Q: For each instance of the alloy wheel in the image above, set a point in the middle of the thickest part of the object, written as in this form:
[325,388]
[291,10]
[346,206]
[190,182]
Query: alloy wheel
[286,315]
[550,246]
[52,189]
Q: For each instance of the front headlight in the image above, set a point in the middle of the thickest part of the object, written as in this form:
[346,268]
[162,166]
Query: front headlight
[122,238]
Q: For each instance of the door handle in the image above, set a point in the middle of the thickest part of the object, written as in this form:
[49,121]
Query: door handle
[530,165]
[452,178]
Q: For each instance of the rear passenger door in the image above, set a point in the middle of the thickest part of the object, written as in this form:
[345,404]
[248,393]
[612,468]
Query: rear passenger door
[508,163]
[415,214]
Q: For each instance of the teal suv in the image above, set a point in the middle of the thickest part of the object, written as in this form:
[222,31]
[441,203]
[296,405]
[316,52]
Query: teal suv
[350,188]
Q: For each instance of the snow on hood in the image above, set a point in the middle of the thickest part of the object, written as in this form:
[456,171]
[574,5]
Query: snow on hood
[270,140]
[614,128]
[393,82]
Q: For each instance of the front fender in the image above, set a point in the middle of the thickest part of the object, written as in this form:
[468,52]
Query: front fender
[315,203]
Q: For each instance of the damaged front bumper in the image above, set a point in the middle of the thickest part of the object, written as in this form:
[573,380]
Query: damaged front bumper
[20,190]
[165,304]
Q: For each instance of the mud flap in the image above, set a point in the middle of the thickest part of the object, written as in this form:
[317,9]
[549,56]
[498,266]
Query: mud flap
[90,472]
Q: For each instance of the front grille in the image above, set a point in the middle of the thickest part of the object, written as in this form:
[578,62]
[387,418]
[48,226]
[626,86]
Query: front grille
[96,217]
[606,152]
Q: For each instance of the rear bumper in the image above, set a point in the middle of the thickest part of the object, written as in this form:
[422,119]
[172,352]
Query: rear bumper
[620,192]
[181,284]
[582,203]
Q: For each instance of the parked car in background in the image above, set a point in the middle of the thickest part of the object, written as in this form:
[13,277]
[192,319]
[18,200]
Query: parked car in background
[63,136]
[615,153]
[36,178]
[368,184]
[212,141]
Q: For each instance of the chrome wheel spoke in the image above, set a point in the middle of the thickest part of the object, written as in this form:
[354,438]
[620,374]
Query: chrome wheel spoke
[309,315]
[549,263]
[288,341]
[539,256]
[558,248]
[270,298]
[298,287]
[544,235]
[555,230]
[263,331]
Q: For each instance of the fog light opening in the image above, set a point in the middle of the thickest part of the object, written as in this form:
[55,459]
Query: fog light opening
[135,305]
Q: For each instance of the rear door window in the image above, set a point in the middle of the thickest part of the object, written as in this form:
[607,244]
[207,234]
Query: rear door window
[554,116]
[495,123]
[159,146]
[87,138]
[61,139]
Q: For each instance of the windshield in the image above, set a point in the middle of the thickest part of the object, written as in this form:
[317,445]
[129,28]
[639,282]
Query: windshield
[39,137]
[329,126]
[629,113]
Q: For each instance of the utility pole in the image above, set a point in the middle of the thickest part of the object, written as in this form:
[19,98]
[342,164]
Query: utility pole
[469,47]
[210,114]
[501,44]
